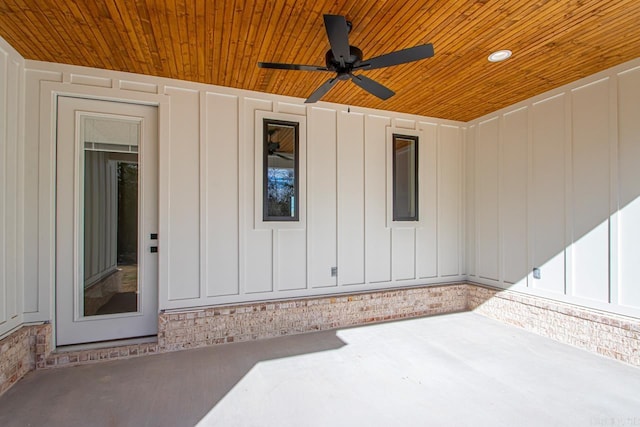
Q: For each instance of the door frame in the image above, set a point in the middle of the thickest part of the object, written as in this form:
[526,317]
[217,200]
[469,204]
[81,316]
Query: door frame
[72,323]
[48,94]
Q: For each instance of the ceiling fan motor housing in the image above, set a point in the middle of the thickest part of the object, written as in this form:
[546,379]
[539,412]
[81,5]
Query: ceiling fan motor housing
[333,64]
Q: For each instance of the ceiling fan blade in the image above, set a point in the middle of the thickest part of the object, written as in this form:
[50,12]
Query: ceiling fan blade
[282,156]
[373,87]
[338,33]
[280,66]
[321,91]
[398,57]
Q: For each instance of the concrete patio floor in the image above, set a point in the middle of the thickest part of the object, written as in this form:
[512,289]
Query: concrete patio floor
[451,370]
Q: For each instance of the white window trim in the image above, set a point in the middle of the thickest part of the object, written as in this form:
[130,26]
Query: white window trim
[302,171]
[389,152]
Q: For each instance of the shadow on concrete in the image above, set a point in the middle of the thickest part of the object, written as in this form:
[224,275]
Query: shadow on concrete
[170,389]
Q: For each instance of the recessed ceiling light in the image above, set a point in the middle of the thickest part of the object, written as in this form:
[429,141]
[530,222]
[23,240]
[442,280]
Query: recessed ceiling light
[499,55]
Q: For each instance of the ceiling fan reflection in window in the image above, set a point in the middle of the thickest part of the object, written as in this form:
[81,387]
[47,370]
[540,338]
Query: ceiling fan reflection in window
[344,60]
[273,147]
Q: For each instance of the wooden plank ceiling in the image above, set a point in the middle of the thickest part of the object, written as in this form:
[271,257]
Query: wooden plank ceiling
[219,42]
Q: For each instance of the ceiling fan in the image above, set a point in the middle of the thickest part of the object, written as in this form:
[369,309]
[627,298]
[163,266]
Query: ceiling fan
[344,59]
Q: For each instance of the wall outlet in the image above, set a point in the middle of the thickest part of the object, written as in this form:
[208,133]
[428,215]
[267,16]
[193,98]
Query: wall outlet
[536,273]
[334,271]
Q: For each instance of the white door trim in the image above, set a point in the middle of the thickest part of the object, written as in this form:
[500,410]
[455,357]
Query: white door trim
[47,96]
[73,326]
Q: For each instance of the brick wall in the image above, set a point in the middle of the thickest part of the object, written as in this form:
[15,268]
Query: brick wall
[603,333]
[215,325]
[94,355]
[19,352]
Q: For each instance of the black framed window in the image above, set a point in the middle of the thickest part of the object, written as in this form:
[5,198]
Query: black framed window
[405,178]
[281,172]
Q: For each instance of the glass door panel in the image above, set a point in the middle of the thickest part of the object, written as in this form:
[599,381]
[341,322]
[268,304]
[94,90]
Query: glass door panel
[110,282]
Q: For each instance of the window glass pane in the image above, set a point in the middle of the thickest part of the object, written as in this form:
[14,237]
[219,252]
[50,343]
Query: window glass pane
[405,178]
[280,178]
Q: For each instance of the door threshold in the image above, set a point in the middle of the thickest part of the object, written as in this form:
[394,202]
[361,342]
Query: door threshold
[106,344]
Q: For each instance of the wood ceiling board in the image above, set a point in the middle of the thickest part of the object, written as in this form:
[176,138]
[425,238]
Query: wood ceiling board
[220,42]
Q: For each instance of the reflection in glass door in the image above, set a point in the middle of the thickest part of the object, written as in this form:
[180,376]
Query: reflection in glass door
[110,284]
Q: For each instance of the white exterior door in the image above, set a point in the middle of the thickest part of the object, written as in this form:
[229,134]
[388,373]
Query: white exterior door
[106,221]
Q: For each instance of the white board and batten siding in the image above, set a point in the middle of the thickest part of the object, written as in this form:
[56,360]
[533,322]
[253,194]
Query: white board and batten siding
[557,187]
[12,182]
[214,247]
[552,182]
[12,202]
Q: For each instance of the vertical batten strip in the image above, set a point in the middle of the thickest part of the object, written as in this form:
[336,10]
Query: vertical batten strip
[500,198]
[204,194]
[20,247]
[438,198]
[164,199]
[530,198]
[614,196]
[459,176]
[4,193]
[437,149]
[470,225]
[568,285]
[11,189]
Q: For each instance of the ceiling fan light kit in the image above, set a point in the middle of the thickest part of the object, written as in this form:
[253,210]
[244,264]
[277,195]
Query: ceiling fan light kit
[344,59]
